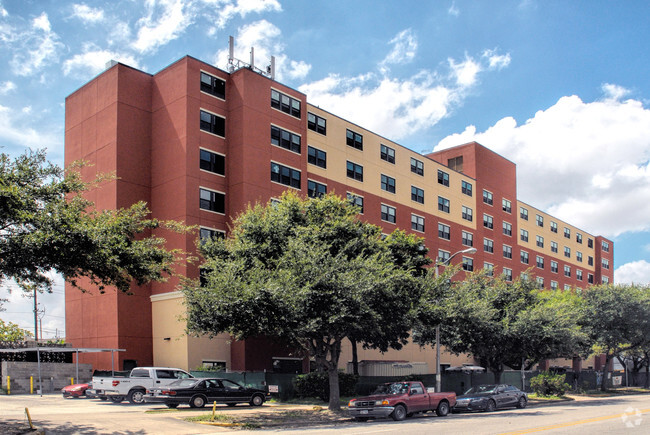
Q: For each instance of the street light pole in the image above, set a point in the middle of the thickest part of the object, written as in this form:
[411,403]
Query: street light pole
[444,263]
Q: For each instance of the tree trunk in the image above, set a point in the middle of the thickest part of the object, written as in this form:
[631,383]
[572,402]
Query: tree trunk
[333,374]
[355,358]
[603,382]
[497,371]
[646,384]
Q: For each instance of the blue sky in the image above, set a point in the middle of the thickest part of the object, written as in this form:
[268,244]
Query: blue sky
[560,88]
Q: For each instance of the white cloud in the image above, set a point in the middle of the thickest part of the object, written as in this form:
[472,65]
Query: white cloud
[636,272]
[47,46]
[165,21]
[92,61]
[16,128]
[227,10]
[496,60]
[614,92]
[586,163]
[465,73]
[87,14]
[405,46]
[453,10]
[6,87]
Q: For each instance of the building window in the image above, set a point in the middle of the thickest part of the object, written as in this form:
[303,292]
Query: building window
[507,251]
[579,274]
[488,221]
[579,256]
[443,256]
[523,213]
[553,285]
[443,204]
[540,220]
[540,241]
[507,274]
[388,213]
[590,278]
[443,231]
[417,194]
[315,190]
[487,197]
[468,239]
[540,262]
[554,227]
[285,139]
[213,85]
[579,238]
[285,103]
[605,263]
[456,163]
[605,280]
[387,183]
[354,140]
[356,200]
[443,178]
[590,261]
[213,124]
[466,188]
[540,282]
[212,162]
[567,252]
[317,157]
[206,234]
[285,175]
[489,267]
[554,247]
[605,247]
[523,235]
[387,154]
[506,205]
[590,243]
[417,223]
[567,271]
[524,257]
[567,233]
[354,171]
[467,213]
[488,245]
[468,264]
[212,201]
[316,123]
[554,268]
[507,229]
[417,166]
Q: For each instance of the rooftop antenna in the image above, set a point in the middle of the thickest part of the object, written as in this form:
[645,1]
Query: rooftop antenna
[235,64]
[231,54]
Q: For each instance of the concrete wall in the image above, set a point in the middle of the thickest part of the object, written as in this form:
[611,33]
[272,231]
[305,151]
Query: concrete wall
[54,376]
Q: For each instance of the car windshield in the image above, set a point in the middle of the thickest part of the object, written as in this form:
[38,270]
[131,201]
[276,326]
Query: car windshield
[481,389]
[394,388]
[184,383]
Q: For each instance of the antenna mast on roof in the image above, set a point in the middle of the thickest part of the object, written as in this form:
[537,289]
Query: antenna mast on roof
[235,64]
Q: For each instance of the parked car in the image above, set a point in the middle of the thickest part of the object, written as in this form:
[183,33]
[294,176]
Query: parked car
[399,400]
[134,386]
[198,392]
[75,390]
[491,397]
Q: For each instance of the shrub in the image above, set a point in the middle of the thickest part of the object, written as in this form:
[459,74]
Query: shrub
[548,384]
[316,384]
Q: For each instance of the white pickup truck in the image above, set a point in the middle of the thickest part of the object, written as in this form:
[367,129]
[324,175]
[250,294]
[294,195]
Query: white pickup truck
[134,386]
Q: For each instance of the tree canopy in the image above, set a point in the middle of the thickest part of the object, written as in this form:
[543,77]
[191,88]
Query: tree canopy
[47,224]
[11,332]
[311,274]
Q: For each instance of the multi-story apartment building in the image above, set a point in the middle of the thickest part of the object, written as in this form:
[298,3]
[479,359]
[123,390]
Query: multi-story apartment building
[199,144]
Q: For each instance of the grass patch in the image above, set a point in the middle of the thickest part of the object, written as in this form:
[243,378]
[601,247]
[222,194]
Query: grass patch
[220,418]
[548,398]
[274,418]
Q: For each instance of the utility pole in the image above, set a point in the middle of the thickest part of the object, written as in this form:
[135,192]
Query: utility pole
[35,314]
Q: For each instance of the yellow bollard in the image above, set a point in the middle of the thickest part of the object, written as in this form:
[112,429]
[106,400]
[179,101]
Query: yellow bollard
[214,409]
[71,381]
[31,385]
[8,385]
[29,418]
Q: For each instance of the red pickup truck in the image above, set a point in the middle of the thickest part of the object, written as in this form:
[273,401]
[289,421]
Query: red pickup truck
[400,400]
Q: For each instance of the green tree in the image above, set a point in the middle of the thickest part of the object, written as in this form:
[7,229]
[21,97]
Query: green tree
[617,320]
[47,224]
[503,324]
[10,332]
[310,273]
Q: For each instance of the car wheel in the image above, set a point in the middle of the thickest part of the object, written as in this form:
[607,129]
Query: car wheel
[491,406]
[361,419]
[116,399]
[257,400]
[521,404]
[443,409]
[103,398]
[399,413]
[136,397]
[171,405]
[197,402]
